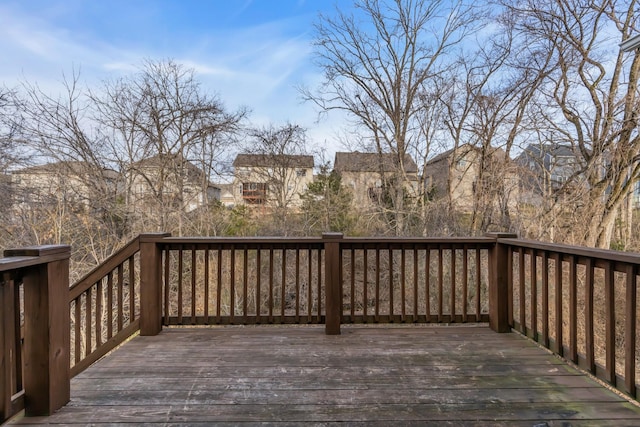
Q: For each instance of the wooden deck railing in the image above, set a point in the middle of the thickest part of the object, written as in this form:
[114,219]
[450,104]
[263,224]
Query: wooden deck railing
[579,302]
[34,295]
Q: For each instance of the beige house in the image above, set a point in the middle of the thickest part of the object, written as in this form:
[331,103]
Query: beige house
[366,173]
[71,182]
[466,175]
[169,180]
[271,180]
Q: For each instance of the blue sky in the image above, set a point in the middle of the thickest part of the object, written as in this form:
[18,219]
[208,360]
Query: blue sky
[250,52]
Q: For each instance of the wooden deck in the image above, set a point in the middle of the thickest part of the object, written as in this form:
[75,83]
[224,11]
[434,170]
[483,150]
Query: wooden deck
[382,375]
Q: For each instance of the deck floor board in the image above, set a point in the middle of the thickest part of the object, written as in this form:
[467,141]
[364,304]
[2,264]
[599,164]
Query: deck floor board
[369,375]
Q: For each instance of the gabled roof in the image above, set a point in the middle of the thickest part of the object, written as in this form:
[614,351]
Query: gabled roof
[539,151]
[463,150]
[191,171]
[273,160]
[371,162]
[78,168]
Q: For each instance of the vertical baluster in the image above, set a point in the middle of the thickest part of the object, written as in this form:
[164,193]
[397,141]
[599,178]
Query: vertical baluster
[630,330]
[465,284]
[440,284]
[194,294]
[353,282]
[588,316]
[77,328]
[452,295]
[132,288]
[245,282]
[365,282]
[478,284]
[258,282]
[232,284]
[180,274]
[377,308]
[109,304]
[271,284]
[120,297]
[534,296]
[390,260]
[298,281]
[167,286]
[559,318]
[87,323]
[573,309]
[415,284]
[403,292]
[545,299]
[206,285]
[309,285]
[319,272]
[523,298]
[510,287]
[98,316]
[610,323]
[427,283]
[283,287]
[219,285]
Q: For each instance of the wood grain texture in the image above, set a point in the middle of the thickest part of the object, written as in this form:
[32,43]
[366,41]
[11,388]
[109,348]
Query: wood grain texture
[381,375]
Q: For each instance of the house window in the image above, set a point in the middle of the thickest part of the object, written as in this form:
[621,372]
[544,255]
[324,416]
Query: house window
[301,172]
[254,193]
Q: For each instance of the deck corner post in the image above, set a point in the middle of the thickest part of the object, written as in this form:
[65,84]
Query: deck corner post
[333,282]
[151,283]
[499,283]
[46,356]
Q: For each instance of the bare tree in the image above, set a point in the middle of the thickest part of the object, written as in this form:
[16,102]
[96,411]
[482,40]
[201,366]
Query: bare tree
[161,124]
[588,99]
[380,64]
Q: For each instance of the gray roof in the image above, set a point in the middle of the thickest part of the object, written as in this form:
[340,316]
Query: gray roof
[371,162]
[271,160]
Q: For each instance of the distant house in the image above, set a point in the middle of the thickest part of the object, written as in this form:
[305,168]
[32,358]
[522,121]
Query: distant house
[366,173]
[271,180]
[170,180]
[460,173]
[548,167]
[72,182]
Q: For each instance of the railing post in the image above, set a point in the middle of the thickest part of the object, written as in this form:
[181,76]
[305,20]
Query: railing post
[46,329]
[499,283]
[150,283]
[333,282]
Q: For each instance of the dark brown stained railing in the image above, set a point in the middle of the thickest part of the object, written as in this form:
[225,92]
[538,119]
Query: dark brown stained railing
[34,284]
[581,303]
[266,280]
[242,281]
[104,307]
[415,280]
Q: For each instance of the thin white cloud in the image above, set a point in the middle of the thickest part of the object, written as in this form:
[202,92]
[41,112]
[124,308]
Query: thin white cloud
[256,67]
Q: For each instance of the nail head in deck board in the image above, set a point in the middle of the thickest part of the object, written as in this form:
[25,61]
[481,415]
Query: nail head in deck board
[297,374]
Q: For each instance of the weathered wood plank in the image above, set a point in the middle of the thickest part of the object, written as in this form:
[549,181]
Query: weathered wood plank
[291,375]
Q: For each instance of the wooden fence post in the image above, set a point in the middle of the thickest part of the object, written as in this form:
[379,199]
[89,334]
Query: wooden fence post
[150,283]
[46,329]
[499,283]
[333,282]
